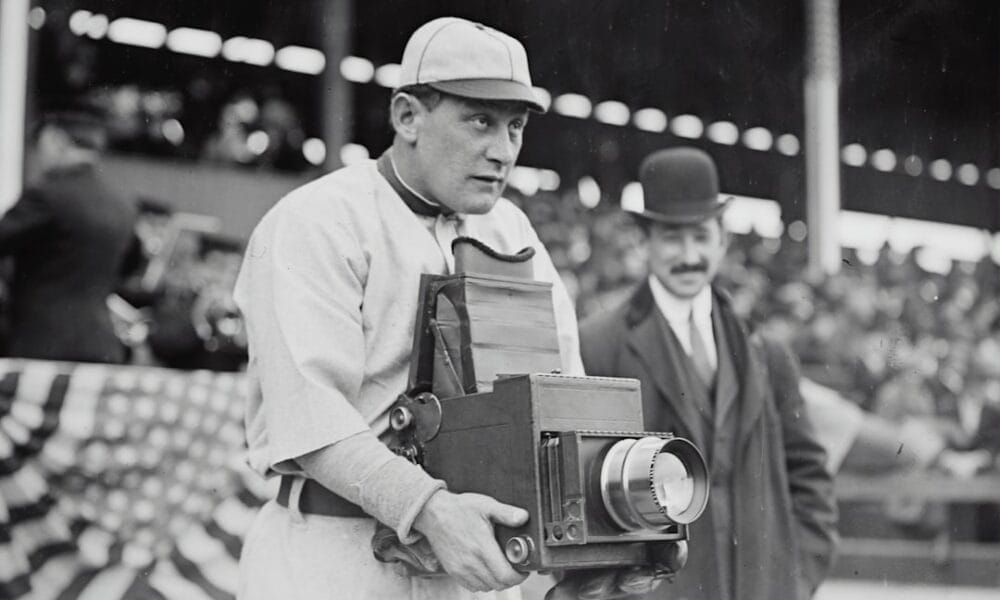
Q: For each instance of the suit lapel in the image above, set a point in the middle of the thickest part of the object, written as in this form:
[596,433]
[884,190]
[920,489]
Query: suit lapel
[727,378]
[647,340]
[751,371]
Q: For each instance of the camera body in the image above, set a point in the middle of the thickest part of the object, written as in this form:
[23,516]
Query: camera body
[488,412]
[539,442]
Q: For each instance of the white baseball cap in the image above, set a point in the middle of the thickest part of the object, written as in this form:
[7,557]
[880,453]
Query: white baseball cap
[468,59]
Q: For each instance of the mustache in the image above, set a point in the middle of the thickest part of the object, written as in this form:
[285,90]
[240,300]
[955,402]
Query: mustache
[699,267]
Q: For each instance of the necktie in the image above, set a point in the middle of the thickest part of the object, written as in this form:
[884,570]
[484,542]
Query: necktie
[699,354]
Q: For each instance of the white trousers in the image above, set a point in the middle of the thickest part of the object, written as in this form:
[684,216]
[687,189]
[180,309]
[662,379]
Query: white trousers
[288,555]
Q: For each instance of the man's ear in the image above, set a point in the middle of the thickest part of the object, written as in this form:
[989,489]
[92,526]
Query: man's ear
[406,113]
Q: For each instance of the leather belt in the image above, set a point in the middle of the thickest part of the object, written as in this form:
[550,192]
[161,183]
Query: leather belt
[317,500]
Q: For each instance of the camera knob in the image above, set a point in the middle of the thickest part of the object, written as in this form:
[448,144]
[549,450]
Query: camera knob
[518,549]
[400,418]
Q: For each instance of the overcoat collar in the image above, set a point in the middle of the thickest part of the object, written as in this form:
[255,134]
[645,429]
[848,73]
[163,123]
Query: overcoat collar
[646,340]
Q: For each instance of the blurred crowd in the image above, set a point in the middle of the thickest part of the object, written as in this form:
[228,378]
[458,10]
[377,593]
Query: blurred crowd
[896,339]
[212,113]
[900,341]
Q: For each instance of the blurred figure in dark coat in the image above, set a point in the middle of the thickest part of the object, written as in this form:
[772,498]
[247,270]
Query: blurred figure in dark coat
[68,236]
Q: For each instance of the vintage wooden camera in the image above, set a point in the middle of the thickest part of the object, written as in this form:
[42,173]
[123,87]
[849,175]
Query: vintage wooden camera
[488,412]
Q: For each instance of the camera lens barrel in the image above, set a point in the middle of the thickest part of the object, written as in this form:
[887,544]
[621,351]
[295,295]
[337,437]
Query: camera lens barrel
[652,483]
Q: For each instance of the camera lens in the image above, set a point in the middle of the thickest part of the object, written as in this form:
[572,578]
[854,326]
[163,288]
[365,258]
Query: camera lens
[652,483]
[673,485]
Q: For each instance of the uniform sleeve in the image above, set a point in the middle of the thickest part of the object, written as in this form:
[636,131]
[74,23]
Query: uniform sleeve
[300,290]
[810,482]
[565,311]
[23,221]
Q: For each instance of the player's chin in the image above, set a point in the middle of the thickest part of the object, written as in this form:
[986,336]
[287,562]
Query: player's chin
[480,204]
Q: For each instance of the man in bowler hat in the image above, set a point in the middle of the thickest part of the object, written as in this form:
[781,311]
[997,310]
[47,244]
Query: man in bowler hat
[769,529]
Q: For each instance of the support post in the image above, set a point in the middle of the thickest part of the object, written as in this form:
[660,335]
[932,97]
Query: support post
[338,97]
[13,95]
[822,143]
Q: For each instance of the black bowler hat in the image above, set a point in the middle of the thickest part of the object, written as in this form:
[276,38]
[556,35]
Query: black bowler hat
[680,186]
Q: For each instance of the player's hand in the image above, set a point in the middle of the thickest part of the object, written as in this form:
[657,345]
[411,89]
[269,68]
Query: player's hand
[417,558]
[614,584]
[459,529]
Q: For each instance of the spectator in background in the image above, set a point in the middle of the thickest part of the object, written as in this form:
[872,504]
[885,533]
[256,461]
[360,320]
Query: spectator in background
[68,235]
[769,529]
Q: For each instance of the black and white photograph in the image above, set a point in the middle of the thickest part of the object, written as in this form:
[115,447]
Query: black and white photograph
[509,300]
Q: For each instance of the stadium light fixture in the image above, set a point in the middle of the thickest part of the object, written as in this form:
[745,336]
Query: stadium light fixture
[136,32]
[993,178]
[573,105]
[798,231]
[687,126]
[884,160]
[36,18]
[589,191]
[97,27]
[788,144]
[723,132]
[854,155]
[196,42]
[79,20]
[525,180]
[258,141]
[758,138]
[632,197]
[300,59]
[967,174]
[612,112]
[357,69]
[387,75]
[173,131]
[314,150]
[941,169]
[251,51]
[913,165]
[548,180]
[650,119]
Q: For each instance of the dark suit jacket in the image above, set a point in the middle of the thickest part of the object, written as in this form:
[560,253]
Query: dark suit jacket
[783,517]
[68,238]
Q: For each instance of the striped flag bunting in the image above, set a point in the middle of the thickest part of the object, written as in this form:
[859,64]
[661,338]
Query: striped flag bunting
[122,482]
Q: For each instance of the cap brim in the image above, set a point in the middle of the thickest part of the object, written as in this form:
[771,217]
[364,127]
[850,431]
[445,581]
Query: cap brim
[491,89]
[685,218]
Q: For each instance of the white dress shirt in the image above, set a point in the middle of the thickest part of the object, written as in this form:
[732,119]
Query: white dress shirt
[678,312]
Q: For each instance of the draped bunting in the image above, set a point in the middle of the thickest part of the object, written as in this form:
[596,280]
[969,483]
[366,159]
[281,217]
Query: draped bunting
[122,482]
